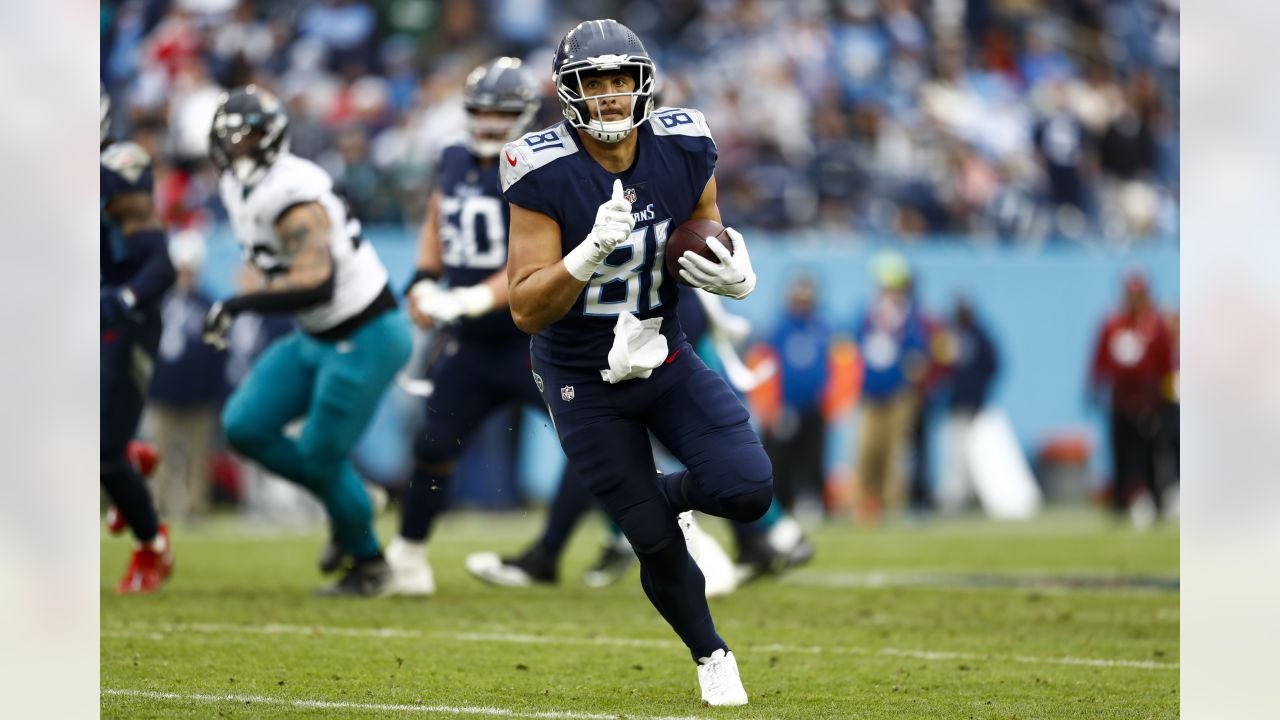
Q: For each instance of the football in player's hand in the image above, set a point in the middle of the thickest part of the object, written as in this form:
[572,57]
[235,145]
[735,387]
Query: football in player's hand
[693,235]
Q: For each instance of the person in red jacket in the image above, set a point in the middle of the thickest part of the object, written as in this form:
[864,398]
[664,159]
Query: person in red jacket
[1133,359]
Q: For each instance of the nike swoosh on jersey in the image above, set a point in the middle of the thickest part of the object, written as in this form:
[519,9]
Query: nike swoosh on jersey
[511,160]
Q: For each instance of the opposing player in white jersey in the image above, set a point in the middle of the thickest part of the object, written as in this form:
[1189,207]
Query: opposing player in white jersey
[298,233]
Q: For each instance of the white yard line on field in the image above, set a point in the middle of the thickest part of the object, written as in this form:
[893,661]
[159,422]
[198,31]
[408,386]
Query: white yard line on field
[160,631]
[335,705]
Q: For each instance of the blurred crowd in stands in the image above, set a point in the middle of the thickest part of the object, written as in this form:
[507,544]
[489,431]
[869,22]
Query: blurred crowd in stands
[1020,121]
[1013,121]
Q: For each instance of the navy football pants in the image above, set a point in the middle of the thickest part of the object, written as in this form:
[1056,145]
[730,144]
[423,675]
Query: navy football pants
[127,356]
[604,430]
[471,380]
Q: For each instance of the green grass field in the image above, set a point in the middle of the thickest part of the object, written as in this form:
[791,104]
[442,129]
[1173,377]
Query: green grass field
[1068,617]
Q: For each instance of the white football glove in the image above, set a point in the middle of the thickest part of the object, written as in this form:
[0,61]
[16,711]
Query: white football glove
[446,306]
[614,223]
[731,277]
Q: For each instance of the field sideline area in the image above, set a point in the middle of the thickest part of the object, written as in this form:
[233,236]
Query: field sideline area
[1067,617]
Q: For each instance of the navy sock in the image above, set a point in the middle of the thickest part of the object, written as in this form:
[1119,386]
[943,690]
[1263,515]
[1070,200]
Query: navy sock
[426,497]
[571,502]
[677,589]
[129,493]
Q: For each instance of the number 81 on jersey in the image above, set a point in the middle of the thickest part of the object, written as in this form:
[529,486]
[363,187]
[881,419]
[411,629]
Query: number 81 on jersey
[643,258]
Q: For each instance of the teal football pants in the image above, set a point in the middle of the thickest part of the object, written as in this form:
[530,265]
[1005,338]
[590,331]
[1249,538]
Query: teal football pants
[337,386]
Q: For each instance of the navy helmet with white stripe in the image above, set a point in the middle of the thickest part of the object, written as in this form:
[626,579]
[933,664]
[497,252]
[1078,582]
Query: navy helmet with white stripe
[596,46]
[499,86]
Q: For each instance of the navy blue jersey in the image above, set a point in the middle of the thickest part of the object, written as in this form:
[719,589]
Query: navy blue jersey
[123,168]
[550,173]
[473,234]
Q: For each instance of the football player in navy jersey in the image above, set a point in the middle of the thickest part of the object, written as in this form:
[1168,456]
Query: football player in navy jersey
[592,201]
[135,273]
[314,264]
[460,288]
[771,544]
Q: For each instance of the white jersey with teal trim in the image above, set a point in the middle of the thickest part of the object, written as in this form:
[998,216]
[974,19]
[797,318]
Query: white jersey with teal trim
[359,275]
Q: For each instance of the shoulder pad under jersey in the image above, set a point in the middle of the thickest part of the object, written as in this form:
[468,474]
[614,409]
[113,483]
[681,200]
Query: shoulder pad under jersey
[533,151]
[679,121]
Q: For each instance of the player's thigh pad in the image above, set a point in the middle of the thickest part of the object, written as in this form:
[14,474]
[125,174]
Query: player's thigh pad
[352,377]
[275,392]
[704,424]
[468,384]
[611,455]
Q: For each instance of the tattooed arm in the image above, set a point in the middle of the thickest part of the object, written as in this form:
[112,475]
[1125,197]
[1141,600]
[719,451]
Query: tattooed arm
[304,235]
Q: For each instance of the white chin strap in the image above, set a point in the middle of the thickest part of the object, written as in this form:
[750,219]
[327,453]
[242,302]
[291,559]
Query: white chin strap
[609,132]
[485,148]
[247,171]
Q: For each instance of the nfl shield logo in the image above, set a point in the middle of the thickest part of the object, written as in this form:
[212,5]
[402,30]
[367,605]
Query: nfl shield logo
[566,393]
[629,194]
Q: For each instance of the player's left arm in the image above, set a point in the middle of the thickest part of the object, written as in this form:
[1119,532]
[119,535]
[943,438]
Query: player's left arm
[144,236]
[732,276]
[304,231]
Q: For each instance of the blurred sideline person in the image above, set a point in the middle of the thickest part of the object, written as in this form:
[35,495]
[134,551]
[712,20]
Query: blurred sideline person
[352,341]
[894,353]
[920,488]
[135,271]
[1133,360]
[459,287]
[592,200]
[771,544]
[186,389]
[972,362]
[796,441]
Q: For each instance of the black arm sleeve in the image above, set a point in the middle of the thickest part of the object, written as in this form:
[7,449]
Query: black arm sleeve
[286,301]
[156,275]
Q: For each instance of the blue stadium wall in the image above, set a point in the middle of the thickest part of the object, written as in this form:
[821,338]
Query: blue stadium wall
[1043,306]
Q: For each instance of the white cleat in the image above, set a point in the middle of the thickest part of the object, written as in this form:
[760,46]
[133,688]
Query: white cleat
[717,568]
[489,567]
[721,684]
[410,573]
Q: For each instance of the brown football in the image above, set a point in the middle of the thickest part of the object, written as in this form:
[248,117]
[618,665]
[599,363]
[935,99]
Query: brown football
[693,235]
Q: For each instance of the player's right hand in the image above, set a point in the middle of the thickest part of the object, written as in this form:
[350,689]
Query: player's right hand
[217,323]
[421,288]
[614,220]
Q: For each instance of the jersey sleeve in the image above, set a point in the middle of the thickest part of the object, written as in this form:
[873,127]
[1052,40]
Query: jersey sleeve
[528,176]
[689,130]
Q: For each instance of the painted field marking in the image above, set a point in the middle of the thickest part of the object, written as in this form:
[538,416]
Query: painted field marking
[1017,580]
[160,631]
[382,707]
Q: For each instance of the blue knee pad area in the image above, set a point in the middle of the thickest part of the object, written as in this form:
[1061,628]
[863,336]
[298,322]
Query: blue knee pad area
[650,527]
[749,506]
[240,430]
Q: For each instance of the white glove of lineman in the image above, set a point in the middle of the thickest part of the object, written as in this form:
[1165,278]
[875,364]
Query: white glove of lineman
[446,306]
[614,223]
[731,277]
